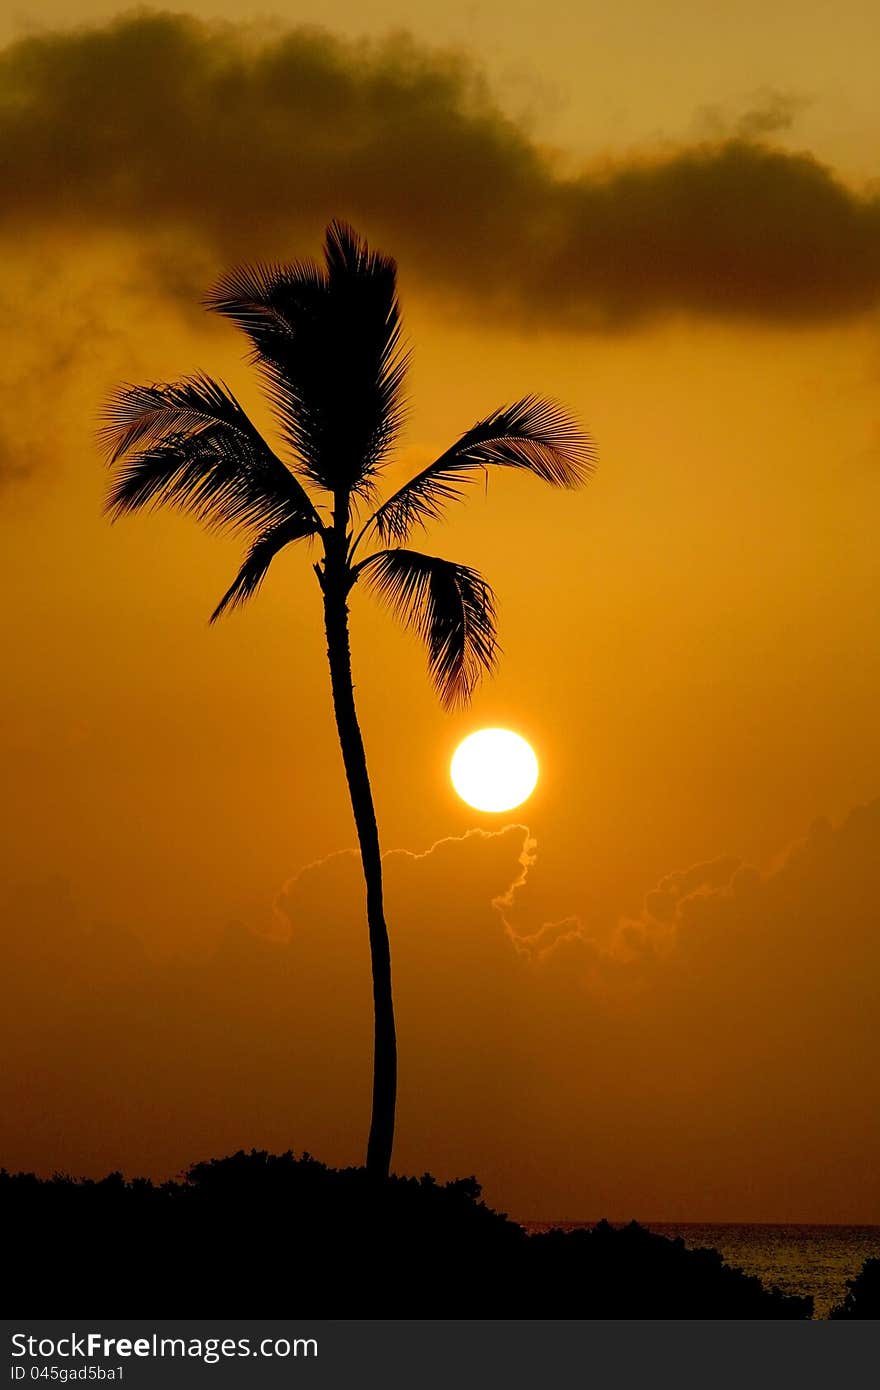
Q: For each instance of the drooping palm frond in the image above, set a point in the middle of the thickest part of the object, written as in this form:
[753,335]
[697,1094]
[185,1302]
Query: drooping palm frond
[328,342]
[452,609]
[191,445]
[141,416]
[259,557]
[534,434]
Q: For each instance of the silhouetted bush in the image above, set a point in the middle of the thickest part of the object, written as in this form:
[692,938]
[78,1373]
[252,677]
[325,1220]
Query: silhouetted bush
[863,1294]
[263,1235]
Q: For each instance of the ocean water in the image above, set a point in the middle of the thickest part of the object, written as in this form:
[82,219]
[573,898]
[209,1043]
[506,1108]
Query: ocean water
[815,1260]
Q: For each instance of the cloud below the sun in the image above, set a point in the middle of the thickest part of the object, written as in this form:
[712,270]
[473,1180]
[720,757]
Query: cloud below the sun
[716,1053]
[209,143]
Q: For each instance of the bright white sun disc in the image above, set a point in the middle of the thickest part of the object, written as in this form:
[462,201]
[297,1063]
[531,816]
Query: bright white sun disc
[494,770]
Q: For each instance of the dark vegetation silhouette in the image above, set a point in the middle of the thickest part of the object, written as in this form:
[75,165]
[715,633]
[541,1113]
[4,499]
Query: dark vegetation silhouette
[863,1294]
[273,1236]
[327,342]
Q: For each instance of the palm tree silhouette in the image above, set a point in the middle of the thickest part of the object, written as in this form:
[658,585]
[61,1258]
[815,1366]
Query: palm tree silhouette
[327,342]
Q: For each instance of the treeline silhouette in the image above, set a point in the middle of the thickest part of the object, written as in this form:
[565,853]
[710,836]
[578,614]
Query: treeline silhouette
[257,1234]
[863,1294]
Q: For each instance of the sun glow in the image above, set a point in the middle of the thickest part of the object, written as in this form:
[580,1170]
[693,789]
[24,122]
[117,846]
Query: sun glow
[494,770]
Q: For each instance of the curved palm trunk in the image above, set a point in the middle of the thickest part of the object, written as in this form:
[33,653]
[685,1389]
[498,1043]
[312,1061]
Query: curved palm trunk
[355,762]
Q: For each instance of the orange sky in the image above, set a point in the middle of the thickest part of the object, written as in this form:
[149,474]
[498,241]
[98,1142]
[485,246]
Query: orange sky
[690,643]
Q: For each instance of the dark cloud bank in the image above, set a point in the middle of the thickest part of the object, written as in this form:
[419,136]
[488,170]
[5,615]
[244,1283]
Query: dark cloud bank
[251,141]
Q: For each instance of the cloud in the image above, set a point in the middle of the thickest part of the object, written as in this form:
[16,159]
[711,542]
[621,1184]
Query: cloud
[769,113]
[240,142]
[118,1056]
[717,1055]
[794,950]
[14,466]
[772,112]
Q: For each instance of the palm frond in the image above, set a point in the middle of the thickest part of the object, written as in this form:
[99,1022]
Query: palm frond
[452,609]
[191,445]
[259,557]
[327,340]
[141,416]
[534,434]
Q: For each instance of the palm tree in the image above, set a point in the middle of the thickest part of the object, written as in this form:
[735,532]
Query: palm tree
[327,343]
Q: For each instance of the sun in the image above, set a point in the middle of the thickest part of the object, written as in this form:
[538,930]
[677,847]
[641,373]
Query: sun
[494,770]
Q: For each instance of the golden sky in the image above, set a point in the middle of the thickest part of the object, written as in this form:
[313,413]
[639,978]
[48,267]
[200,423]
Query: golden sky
[652,995]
